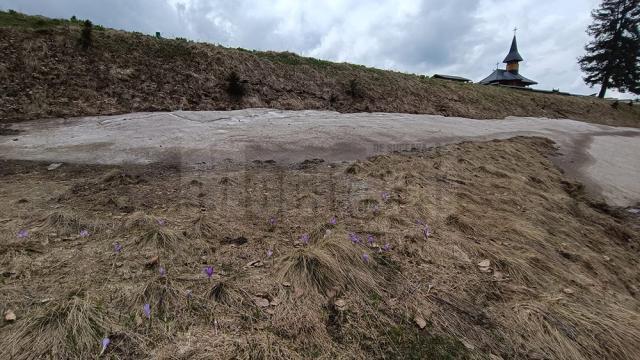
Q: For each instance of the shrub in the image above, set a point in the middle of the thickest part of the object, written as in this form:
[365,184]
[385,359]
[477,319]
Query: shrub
[86,39]
[354,90]
[235,87]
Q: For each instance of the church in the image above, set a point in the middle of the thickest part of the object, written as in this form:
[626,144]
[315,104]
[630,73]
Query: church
[511,76]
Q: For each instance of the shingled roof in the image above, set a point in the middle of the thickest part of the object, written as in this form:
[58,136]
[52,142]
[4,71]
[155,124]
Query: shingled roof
[504,75]
[513,54]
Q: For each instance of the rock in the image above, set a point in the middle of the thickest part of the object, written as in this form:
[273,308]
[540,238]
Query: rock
[9,316]
[286,284]
[498,275]
[606,258]
[484,265]
[261,302]
[152,262]
[54,166]
[568,291]
[340,304]
[420,321]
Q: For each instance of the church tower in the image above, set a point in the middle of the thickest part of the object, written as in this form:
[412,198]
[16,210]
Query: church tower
[513,57]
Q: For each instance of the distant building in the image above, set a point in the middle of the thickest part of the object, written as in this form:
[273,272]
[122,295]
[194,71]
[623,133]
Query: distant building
[451,77]
[511,75]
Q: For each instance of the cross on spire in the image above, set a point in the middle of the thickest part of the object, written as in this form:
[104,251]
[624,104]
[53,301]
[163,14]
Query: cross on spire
[497,65]
[514,31]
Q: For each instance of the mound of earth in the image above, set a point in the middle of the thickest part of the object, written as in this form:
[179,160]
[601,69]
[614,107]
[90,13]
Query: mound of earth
[469,251]
[44,73]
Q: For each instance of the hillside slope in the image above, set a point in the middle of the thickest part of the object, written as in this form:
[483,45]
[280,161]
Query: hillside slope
[44,73]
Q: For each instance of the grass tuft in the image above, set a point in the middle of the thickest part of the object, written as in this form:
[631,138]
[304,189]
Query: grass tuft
[69,328]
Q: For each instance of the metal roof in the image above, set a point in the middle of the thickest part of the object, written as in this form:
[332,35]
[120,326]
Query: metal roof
[513,54]
[451,77]
[504,75]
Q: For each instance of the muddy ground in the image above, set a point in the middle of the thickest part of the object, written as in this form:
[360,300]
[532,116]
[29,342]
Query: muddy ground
[468,251]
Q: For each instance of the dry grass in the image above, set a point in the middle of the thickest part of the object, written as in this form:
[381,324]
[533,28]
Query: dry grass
[331,261]
[65,328]
[562,281]
[66,223]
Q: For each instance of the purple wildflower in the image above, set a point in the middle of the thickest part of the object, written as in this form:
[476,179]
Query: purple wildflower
[386,247]
[365,258]
[333,221]
[426,231]
[419,222]
[272,221]
[162,271]
[105,342]
[23,234]
[354,238]
[84,233]
[385,196]
[370,239]
[117,247]
[161,222]
[209,271]
[189,294]
[147,310]
[304,238]
[269,253]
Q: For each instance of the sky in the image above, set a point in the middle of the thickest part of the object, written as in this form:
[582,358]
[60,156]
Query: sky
[456,37]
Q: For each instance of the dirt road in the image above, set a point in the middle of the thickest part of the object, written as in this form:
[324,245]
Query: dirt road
[603,157]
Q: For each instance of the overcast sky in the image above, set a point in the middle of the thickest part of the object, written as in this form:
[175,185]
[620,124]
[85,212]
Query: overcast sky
[457,37]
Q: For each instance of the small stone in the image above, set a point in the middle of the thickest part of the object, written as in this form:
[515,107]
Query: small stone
[9,316]
[286,284]
[341,305]
[484,263]
[261,302]
[568,291]
[152,261]
[498,275]
[138,320]
[420,321]
[606,258]
[54,166]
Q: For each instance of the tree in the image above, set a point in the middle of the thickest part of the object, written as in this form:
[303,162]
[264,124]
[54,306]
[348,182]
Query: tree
[613,56]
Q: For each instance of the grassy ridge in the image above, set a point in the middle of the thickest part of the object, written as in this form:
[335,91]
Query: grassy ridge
[45,73]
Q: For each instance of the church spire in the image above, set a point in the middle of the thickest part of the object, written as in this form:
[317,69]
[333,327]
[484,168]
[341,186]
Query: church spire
[513,55]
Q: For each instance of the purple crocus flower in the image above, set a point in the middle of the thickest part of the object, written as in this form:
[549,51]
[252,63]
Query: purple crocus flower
[105,342]
[147,310]
[23,234]
[117,247]
[272,221]
[385,196]
[365,258]
[333,221]
[161,222]
[386,247]
[426,231]
[304,238]
[84,233]
[162,271]
[209,271]
[354,238]
[269,253]
[189,294]
[370,239]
